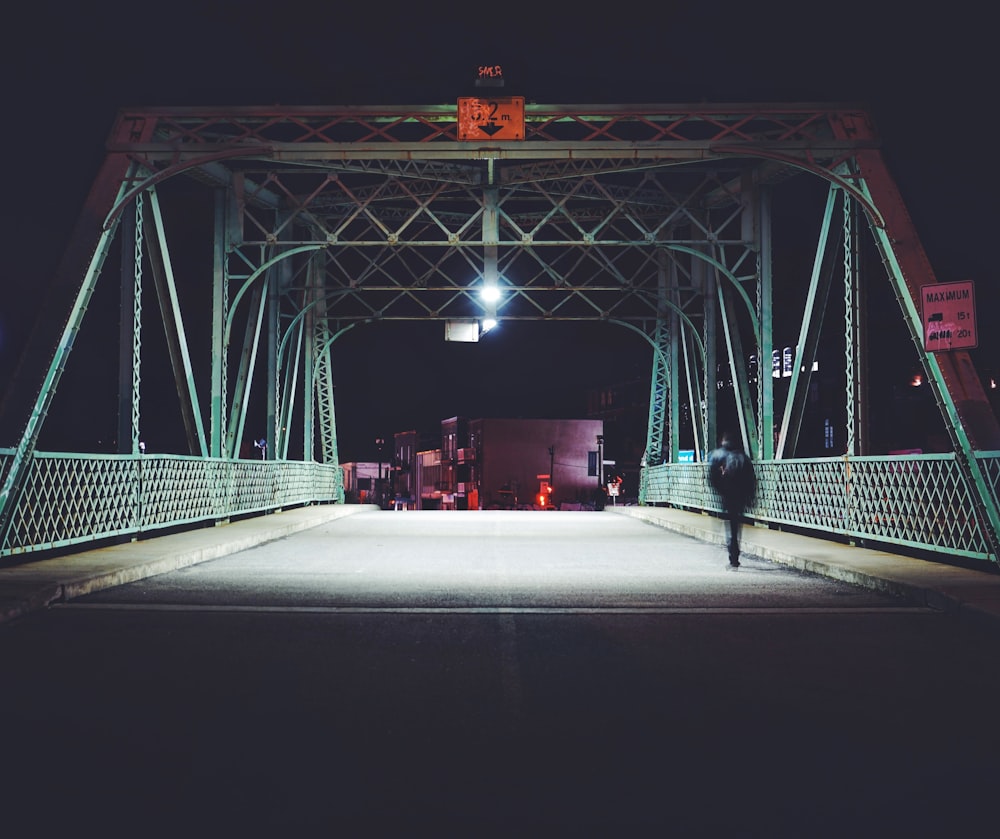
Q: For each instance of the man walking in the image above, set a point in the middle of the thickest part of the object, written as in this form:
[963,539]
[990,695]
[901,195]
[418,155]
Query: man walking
[730,472]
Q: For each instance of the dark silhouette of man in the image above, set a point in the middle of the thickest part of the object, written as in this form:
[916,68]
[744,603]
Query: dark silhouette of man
[730,472]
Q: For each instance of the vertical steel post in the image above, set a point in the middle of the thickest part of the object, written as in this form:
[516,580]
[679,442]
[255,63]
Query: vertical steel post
[126,331]
[693,381]
[271,338]
[765,312]
[738,369]
[247,366]
[289,387]
[491,239]
[323,378]
[659,385]
[705,279]
[850,330]
[219,313]
[859,307]
[308,379]
[675,335]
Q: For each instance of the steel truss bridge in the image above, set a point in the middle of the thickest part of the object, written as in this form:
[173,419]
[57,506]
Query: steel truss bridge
[654,218]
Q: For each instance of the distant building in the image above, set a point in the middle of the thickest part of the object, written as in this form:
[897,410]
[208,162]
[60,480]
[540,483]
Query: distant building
[503,463]
[536,462]
[434,492]
[623,407]
[407,446]
[361,481]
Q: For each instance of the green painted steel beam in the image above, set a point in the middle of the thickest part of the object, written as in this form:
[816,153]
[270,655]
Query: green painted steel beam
[219,319]
[127,327]
[246,367]
[675,334]
[738,372]
[705,279]
[812,319]
[272,401]
[289,367]
[173,324]
[658,395]
[765,307]
[110,182]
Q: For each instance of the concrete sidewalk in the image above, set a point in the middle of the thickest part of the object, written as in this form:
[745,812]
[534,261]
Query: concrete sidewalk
[971,594]
[34,585]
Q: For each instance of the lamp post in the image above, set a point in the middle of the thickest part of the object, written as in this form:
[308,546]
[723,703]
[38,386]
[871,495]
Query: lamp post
[552,465]
[379,443]
[600,462]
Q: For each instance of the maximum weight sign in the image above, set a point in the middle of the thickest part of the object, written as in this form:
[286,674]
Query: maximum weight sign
[948,312]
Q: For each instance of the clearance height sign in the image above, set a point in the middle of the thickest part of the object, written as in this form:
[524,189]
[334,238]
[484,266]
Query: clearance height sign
[948,312]
[498,118]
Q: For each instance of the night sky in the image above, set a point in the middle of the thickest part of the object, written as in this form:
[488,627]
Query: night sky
[928,80]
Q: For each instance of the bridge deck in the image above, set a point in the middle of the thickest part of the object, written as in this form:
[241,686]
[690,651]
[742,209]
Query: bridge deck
[971,594]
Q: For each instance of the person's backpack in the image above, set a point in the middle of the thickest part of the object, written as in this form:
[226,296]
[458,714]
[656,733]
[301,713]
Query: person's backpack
[737,475]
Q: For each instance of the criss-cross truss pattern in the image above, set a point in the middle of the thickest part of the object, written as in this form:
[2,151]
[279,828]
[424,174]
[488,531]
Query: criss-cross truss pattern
[655,218]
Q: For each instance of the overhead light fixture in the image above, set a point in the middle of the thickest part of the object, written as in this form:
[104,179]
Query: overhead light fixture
[466,331]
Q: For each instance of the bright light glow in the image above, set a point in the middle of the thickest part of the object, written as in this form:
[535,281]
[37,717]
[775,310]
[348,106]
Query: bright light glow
[490,293]
[488,324]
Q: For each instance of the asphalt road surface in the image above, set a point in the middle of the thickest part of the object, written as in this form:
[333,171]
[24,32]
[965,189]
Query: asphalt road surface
[509,673]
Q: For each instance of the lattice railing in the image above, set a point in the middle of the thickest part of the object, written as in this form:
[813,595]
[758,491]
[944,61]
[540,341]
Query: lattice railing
[69,499]
[914,501]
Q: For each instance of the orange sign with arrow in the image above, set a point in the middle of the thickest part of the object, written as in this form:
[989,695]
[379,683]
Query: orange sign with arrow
[498,118]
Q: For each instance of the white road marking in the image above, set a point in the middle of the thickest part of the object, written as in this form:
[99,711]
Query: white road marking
[905,609]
